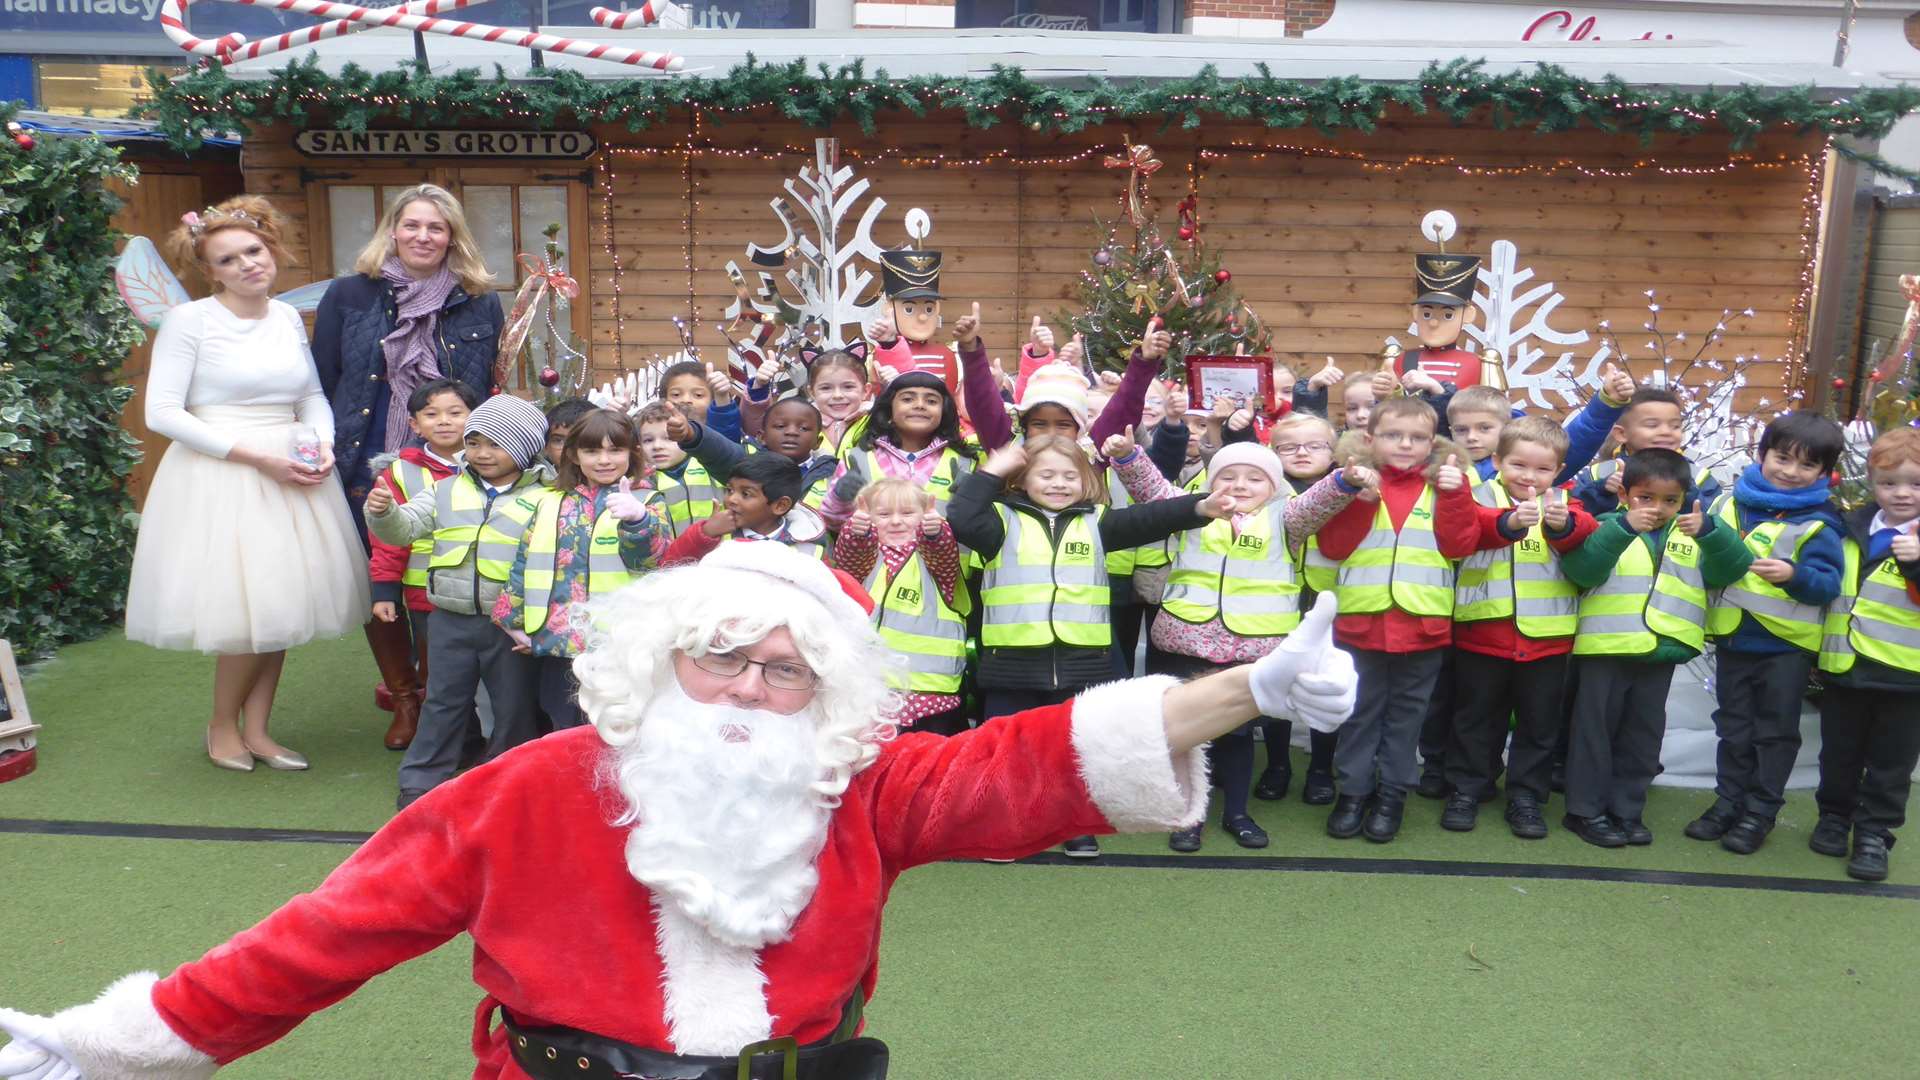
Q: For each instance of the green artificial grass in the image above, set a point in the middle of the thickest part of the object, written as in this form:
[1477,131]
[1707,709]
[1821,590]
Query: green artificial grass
[1021,971]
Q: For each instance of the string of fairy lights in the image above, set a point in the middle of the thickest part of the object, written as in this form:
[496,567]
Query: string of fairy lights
[696,145]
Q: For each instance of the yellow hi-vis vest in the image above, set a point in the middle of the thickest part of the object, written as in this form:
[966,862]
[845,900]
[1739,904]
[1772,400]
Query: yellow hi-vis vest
[466,518]
[1402,570]
[952,467]
[1121,563]
[1621,616]
[689,499]
[1160,554]
[408,479]
[1599,471]
[914,621]
[1247,580]
[605,571]
[1319,572]
[1521,582]
[1035,592]
[1786,618]
[1875,618]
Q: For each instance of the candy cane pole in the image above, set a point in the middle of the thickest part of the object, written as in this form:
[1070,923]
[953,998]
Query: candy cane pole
[653,11]
[370,17]
[340,28]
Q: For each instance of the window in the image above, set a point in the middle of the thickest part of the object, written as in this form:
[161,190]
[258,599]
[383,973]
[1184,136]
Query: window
[1144,16]
[93,87]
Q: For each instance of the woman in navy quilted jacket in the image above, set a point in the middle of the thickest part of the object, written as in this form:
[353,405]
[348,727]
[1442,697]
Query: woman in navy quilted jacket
[418,306]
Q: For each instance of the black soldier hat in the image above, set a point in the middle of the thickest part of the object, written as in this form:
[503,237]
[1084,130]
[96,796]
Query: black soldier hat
[1440,278]
[910,275]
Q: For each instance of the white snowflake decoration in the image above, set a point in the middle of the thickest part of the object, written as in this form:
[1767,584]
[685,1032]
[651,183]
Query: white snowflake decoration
[1500,328]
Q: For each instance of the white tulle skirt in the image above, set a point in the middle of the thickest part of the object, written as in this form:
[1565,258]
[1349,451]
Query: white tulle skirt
[229,561]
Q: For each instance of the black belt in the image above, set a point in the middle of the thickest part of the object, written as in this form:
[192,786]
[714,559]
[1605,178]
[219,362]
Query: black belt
[562,1053]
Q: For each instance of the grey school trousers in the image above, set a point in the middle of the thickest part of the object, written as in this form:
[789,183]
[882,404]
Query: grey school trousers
[463,652]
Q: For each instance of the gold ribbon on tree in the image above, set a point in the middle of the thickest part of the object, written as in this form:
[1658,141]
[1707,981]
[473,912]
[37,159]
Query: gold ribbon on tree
[542,278]
[1143,297]
[1140,164]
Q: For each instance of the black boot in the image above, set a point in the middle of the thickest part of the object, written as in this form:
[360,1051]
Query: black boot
[1344,822]
[1869,862]
[1384,823]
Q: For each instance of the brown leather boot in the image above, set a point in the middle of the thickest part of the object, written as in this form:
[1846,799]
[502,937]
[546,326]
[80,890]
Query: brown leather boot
[392,644]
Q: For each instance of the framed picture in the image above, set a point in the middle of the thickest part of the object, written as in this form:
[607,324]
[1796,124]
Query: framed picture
[1247,380]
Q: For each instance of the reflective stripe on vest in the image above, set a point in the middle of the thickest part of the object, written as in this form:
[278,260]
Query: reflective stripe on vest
[947,473]
[605,571]
[1161,553]
[407,479]
[1782,615]
[1401,569]
[1524,575]
[1875,618]
[464,517]
[915,622]
[1639,600]
[690,498]
[1320,573]
[1248,580]
[1121,562]
[1036,592]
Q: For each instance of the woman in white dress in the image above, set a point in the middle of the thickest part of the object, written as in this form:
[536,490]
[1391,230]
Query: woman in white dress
[246,546]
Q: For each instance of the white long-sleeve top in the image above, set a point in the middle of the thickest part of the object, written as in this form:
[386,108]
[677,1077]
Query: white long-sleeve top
[207,355]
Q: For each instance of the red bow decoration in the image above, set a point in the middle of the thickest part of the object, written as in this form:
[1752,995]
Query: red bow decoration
[1140,163]
[557,279]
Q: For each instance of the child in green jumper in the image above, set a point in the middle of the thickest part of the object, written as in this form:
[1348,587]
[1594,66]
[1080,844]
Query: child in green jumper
[1645,611]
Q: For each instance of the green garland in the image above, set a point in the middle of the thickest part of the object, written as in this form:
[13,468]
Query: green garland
[66,544]
[1545,99]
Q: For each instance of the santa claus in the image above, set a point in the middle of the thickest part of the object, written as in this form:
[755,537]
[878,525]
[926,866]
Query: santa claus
[696,881]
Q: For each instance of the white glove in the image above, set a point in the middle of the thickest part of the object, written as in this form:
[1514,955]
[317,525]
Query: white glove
[624,504]
[1307,678]
[37,1052]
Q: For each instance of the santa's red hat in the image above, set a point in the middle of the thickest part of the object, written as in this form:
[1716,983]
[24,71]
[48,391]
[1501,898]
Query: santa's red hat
[836,590]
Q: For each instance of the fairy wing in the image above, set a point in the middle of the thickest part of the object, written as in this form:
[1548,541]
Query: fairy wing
[145,283]
[306,297]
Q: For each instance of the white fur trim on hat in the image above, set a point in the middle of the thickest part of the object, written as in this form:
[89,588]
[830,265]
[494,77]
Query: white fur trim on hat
[1249,453]
[1057,384]
[515,425]
[1121,740]
[782,563]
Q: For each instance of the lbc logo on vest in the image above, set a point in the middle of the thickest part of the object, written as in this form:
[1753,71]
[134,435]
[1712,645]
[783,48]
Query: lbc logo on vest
[907,595]
[1077,548]
[1251,543]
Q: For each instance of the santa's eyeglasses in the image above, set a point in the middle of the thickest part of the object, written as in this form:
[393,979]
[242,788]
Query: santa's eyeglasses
[779,674]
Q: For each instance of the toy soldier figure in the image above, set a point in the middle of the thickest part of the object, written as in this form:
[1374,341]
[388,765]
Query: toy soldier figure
[1442,307]
[903,334]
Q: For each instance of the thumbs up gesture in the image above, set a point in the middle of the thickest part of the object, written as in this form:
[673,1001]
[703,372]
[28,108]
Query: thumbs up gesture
[966,329]
[721,385]
[679,429]
[379,500]
[1450,478]
[882,332]
[1326,376]
[1307,678]
[1906,546]
[1616,384]
[1118,446]
[1041,337]
[1524,516]
[1358,475]
[1073,351]
[1157,342]
[624,504]
[1553,510]
[1693,522]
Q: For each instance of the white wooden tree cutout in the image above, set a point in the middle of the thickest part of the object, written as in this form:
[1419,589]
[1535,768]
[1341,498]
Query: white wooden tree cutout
[1502,329]
[826,257]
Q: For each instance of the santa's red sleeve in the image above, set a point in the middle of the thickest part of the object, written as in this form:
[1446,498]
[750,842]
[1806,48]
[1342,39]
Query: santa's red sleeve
[407,891]
[691,545]
[1019,784]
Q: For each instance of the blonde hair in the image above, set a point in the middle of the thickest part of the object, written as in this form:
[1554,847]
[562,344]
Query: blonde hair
[892,492]
[1898,446]
[1091,489]
[463,253]
[1480,399]
[254,213]
[1358,378]
[1299,420]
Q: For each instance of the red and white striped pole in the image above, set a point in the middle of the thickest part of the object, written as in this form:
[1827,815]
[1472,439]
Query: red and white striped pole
[647,14]
[340,28]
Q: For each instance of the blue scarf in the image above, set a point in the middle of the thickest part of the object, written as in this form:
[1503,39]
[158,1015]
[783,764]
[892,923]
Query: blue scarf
[1753,492]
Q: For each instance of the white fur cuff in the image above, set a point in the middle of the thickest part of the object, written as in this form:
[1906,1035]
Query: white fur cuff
[1135,780]
[120,1036]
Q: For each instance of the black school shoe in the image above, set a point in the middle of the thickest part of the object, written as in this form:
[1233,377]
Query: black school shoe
[1185,839]
[1869,862]
[1318,790]
[1600,831]
[1432,786]
[1273,784]
[1713,824]
[1461,813]
[1245,831]
[1637,832]
[1830,836]
[1747,834]
[1348,812]
[1383,824]
[1523,816]
[1082,847]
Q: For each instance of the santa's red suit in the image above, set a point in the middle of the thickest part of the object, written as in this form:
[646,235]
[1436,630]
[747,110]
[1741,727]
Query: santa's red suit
[522,855]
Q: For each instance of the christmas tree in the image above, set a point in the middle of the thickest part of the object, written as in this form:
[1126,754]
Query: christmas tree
[1183,283]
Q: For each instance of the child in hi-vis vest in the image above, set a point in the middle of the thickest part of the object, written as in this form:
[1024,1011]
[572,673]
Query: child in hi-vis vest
[1870,662]
[1643,612]
[1234,590]
[588,535]
[1046,629]
[905,553]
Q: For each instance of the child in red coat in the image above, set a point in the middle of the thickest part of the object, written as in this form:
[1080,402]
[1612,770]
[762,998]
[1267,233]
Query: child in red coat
[437,414]
[1514,617]
[1395,587]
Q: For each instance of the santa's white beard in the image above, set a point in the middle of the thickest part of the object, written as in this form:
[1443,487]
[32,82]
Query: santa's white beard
[728,826]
